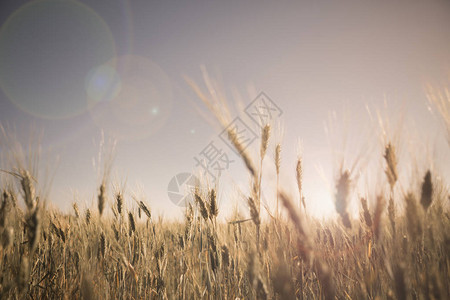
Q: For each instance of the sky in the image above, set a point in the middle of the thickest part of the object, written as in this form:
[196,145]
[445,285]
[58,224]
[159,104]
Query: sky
[83,72]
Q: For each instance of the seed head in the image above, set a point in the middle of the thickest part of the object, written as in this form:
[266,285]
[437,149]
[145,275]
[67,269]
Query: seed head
[201,204]
[342,195]
[264,140]
[119,203]
[278,158]
[145,209]
[101,198]
[367,217]
[427,191]
[391,165]
[213,209]
[132,224]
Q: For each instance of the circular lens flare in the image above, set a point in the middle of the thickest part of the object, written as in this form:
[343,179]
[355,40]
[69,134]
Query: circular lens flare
[46,50]
[103,83]
[132,102]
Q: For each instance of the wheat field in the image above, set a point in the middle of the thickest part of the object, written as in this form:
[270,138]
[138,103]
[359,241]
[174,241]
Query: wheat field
[398,248]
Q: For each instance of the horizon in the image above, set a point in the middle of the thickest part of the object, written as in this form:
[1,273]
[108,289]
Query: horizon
[81,70]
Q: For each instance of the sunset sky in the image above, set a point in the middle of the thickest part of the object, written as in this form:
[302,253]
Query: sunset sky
[75,69]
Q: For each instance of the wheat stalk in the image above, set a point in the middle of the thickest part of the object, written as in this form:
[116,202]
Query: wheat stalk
[342,197]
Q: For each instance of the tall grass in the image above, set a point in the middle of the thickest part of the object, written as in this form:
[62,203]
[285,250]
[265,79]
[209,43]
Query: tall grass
[387,254]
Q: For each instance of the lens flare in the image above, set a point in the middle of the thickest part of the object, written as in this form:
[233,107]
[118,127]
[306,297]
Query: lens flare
[47,48]
[103,83]
[141,97]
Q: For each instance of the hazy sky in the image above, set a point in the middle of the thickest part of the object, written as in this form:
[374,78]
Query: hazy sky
[75,68]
